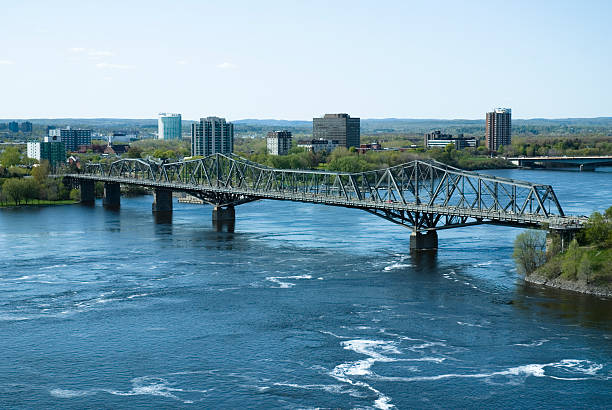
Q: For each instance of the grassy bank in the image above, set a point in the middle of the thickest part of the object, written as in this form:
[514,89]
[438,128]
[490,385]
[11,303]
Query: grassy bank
[36,202]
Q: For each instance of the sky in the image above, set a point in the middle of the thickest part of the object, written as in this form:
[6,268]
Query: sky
[297,60]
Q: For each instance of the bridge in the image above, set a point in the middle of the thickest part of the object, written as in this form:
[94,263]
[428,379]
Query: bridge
[586,163]
[424,196]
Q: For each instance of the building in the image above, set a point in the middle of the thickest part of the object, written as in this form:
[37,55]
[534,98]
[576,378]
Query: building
[375,146]
[212,135]
[13,126]
[279,142]
[51,149]
[26,127]
[72,138]
[338,127]
[317,145]
[436,139]
[169,126]
[498,129]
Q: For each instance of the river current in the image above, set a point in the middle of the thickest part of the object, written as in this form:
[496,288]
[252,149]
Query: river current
[302,306]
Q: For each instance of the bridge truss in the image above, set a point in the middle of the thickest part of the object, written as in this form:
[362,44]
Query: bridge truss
[421,195]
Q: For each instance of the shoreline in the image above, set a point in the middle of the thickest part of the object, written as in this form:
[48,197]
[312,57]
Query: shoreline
[568,285]
[44,203]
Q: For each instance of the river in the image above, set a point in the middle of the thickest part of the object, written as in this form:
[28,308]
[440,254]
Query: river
[303,306]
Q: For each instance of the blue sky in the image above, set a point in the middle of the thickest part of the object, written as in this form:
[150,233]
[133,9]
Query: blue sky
[300,59]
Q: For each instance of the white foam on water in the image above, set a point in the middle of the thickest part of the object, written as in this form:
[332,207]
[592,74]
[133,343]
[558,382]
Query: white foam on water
[518,373]
[469,324]
[138,295]
[397,265]
[146,385]
[68,394]
[533,344]
[285,285]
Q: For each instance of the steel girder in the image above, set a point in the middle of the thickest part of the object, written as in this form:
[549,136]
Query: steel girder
[419,194]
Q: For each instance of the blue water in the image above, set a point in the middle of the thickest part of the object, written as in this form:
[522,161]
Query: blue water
[303,306]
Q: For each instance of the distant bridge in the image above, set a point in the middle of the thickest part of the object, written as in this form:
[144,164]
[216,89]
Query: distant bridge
[588,163]
[424,196]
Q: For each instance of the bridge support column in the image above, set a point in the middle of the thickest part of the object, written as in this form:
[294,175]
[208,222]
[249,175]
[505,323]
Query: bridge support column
[162,201]
[423,241]
[112,195]
[88,192]
[220,214]
[557,241]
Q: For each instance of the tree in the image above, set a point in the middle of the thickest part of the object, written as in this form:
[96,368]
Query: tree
[41,172]
[13,190]
[529,251]
[598,229]
[10,157]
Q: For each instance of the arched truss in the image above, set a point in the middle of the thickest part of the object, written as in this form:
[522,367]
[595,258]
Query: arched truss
[419,194]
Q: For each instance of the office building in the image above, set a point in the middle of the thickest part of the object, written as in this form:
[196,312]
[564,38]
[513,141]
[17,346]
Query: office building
[498,129]
[72,138]
[212,135]
[26,127]
[13,126]
[337,127]
[436,139]
[279,142]
[169,126]
[317,145]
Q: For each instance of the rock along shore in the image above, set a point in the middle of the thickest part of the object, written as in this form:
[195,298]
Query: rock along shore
[571,285]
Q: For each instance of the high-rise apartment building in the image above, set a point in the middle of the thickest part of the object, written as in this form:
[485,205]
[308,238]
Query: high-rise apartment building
[13,126]
[51,149]
[339,127]
[72,138]
[279,142]
[212,135]
[169,126]
[26,127]
[498,129]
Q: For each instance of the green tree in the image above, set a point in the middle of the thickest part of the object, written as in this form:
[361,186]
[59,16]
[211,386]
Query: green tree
[529,251]
[10,157]
[41,172]
[13,190]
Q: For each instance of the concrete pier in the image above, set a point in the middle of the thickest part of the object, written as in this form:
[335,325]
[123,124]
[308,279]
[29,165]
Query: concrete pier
[220,214]
[423,241]
[112,195]
[88,192]
[162,201]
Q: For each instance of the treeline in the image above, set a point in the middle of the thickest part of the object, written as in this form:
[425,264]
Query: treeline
[38,187]
[350,160]
[586,258]
[559,146]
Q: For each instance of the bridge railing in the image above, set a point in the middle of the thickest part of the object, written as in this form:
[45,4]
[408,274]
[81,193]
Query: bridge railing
[417,182]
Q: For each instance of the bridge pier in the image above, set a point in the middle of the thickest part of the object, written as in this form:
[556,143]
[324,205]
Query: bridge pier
[112,195]
[224,218]
[162,201]
[220,214]
[558,240]
[88,191]
[423,241]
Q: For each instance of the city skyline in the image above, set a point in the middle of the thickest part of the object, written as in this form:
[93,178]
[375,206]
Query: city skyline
[392,60]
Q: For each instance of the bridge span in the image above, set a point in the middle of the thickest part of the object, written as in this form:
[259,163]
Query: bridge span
[424,196]
[585,163]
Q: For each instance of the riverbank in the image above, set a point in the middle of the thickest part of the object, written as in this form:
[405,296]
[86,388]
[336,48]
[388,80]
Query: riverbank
[579,286]
[37,203]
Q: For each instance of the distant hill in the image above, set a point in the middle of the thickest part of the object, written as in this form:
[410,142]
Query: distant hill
[371,126]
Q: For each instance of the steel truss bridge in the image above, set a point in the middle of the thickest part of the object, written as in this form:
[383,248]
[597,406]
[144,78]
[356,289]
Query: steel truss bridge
[424,196]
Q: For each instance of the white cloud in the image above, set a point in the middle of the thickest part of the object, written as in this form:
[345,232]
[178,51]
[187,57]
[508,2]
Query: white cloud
[115,66]
[76,49]
[6,62]
[99,53]
[182,62]
[108,78]
[226,66]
